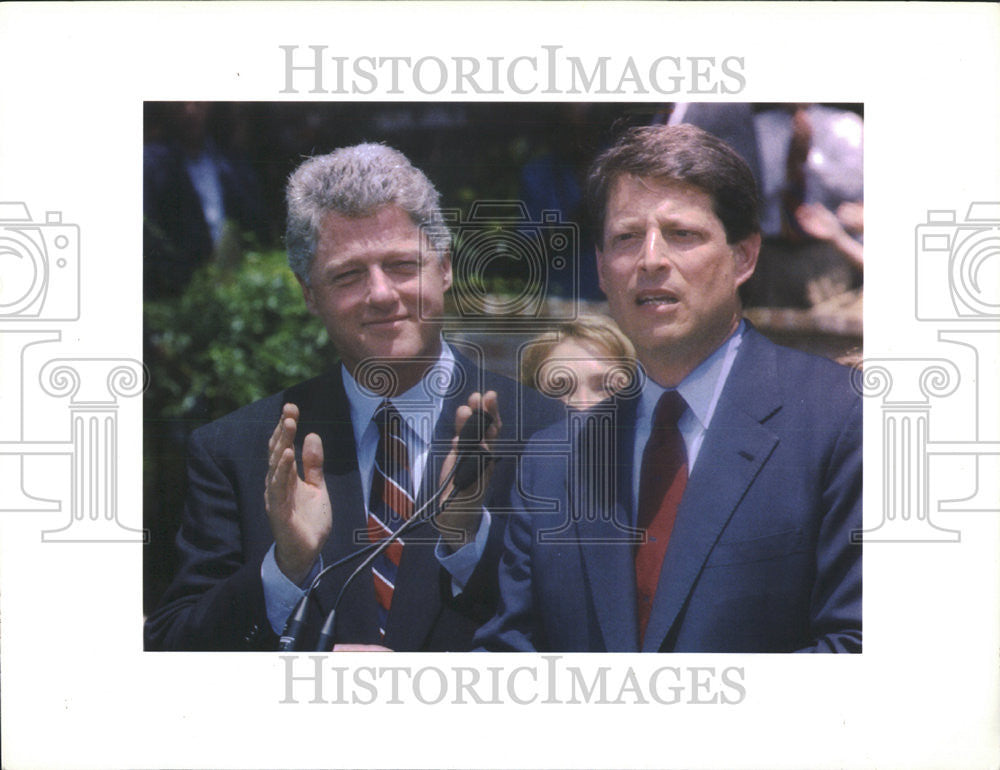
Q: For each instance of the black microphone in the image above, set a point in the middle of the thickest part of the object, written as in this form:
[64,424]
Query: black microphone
[470,461]
[472,458]
[326,635]
[293,626]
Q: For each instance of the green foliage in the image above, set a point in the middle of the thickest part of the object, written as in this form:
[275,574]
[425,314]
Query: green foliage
[235,335]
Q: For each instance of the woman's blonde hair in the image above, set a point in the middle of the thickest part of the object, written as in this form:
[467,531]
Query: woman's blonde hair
[598,330]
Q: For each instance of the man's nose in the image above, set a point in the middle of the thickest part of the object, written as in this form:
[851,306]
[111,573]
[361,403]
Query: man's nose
[381,289]
[654,250]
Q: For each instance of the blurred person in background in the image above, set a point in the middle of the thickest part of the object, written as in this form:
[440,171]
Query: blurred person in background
[199,198]
[811,160]
[589,362]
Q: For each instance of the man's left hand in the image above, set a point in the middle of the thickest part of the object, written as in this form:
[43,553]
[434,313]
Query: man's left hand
[461,512]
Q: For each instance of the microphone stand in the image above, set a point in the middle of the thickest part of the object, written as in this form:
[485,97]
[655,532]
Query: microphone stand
[464,473]
[298,617]
[325,641]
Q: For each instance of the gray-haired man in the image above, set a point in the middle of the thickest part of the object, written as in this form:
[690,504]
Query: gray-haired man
[308,476]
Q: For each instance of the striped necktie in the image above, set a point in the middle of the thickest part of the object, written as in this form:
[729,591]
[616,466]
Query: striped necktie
[661,485]
[390,502]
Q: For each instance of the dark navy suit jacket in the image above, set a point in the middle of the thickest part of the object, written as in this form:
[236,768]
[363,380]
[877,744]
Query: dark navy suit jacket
[216,601]
[761,557]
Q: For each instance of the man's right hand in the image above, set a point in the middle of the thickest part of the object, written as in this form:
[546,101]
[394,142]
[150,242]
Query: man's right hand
[298,506]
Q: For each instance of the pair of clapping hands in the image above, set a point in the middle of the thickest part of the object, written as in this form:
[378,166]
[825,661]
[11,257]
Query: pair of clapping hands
[301,514]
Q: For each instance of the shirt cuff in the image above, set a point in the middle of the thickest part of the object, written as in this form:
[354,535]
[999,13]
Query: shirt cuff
[462,563]
[281,594]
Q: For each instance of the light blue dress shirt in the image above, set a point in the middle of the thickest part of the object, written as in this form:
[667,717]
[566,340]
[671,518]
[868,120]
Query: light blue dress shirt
[700,390]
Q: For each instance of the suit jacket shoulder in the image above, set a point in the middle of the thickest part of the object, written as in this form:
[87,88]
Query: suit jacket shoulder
[761,558]
[216,598]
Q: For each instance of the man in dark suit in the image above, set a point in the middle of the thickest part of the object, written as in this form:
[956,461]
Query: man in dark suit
[195,196]
[294,483]
[735,465]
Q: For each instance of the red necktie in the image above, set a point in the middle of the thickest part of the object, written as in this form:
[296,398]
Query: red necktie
[661,485]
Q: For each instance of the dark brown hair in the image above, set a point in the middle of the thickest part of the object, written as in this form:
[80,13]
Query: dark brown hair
[684,154]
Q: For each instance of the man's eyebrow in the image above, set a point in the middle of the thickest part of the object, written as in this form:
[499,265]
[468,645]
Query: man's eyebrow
[350,263]
[338,267]
[624,220]
[631,221]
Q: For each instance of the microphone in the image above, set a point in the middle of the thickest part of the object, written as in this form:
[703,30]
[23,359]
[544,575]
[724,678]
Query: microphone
[293,626]
[326,635]
[470,461]
[472,458]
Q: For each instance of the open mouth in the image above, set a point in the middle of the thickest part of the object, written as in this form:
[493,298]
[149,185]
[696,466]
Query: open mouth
[656,299]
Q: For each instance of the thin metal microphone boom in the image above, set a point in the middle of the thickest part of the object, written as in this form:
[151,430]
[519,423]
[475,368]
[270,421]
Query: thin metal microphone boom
[465,472]
[470,460]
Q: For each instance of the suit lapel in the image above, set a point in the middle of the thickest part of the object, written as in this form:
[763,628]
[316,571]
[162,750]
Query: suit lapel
[603,524]
[735,449]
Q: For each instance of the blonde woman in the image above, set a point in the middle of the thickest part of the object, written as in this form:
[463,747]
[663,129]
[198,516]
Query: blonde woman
[590,361]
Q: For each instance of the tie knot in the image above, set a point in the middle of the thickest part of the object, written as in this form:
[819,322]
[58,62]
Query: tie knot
[669,409]
[388,419]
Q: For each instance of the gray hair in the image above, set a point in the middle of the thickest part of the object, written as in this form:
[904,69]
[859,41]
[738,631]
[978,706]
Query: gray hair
[355,182]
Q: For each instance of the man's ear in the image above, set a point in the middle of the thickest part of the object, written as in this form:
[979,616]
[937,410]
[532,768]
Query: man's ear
[599,256]
[745,253]
[446,270]
[307,295]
